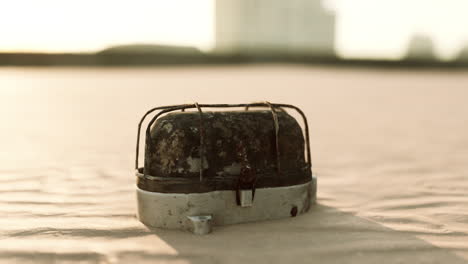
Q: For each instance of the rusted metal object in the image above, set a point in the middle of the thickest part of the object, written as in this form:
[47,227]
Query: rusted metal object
[173,151]
[199,152]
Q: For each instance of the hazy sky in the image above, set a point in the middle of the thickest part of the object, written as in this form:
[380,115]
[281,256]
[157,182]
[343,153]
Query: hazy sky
[365,28]
[60,25]
[373,27]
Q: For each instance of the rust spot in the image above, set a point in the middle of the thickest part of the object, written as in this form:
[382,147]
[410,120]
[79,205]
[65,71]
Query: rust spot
[294,211]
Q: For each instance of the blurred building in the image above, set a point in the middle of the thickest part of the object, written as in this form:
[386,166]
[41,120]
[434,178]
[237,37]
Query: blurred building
[420,48]
[274,26]
[463,55]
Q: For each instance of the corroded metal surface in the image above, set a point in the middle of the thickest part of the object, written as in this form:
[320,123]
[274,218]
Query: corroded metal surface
[239,147]
[169,108]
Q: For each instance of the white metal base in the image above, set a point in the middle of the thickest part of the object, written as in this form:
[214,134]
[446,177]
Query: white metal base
[178,211]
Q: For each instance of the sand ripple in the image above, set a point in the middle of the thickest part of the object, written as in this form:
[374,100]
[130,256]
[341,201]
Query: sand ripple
[389,148]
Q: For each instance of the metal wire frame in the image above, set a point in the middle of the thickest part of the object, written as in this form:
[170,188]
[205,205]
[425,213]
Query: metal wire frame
[183,107]
[276,122]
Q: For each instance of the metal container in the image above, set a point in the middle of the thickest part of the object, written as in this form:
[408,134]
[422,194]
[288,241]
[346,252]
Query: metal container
[204,168]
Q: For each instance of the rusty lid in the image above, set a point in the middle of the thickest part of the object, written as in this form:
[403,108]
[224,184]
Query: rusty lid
[201,151]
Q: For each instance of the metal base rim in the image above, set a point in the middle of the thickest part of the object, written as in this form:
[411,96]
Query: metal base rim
[172,210]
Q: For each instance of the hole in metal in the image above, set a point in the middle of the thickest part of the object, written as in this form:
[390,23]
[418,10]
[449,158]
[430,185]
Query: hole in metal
[294,211]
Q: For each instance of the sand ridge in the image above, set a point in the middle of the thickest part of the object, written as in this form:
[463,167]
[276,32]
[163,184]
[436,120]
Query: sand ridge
[389,149]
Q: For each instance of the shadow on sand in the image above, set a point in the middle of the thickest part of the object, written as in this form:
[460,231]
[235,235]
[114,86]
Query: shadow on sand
[324,234]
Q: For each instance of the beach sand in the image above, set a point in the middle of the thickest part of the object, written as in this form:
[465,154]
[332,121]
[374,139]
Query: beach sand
[390,149]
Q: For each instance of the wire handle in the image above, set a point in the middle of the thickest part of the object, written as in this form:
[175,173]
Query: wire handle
[276,123]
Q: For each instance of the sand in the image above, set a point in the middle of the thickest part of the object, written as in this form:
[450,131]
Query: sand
[390,149]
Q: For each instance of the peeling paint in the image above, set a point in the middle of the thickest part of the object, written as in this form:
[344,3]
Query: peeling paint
[168,127]
[194,164]
[233,169]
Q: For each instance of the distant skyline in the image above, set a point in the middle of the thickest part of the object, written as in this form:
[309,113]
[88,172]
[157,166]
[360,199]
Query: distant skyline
[274,26]
[364,28]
